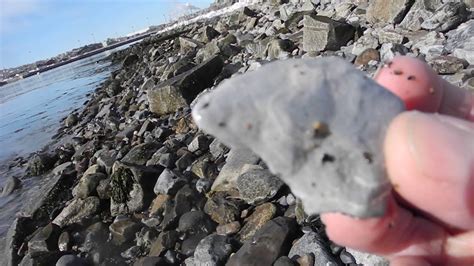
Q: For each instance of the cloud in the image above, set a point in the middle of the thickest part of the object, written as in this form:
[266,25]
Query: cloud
[13,12]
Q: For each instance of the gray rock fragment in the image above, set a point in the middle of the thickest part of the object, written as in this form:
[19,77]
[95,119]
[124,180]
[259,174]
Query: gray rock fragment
[368,259]
[315,129]
[322,33]
[311,243]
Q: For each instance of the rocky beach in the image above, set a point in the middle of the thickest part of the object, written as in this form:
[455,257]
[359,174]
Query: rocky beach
[130,179]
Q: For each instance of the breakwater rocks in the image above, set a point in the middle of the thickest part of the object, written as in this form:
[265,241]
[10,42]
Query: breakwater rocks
[131,180]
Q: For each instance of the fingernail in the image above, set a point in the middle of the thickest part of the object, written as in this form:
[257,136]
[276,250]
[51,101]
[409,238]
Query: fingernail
[442,146]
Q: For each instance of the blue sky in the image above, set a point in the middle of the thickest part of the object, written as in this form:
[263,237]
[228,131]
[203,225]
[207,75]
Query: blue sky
[32,30]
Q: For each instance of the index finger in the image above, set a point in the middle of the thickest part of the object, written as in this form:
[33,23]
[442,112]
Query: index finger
[422,89]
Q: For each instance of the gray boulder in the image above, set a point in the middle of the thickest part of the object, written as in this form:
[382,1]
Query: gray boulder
[312,127]
[322,33]
[87,185]
[169,96]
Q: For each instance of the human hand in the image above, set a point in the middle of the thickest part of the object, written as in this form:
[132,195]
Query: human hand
[430,163]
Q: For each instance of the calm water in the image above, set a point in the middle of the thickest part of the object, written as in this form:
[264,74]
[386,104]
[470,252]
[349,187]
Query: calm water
[30,114]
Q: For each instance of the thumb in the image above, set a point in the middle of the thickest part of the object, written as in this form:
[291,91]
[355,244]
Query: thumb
[430,162]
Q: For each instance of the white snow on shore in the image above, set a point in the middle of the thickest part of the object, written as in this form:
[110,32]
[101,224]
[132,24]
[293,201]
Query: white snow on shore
[238,5]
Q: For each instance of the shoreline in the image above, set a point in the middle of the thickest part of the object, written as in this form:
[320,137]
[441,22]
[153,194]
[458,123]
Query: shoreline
[130,179]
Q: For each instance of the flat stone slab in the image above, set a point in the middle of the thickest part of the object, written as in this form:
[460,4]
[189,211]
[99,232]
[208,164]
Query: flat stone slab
[318,123]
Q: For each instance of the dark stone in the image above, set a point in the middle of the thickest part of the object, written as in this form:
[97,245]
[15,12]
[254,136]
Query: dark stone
[180,205]
[123,231]
[140,154]
[191,242]
[166,240]
[44,239]
[269,243]
[130,60]
[194,222]
[40,163]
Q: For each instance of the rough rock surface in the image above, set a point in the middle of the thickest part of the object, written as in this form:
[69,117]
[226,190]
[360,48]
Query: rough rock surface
[326,145]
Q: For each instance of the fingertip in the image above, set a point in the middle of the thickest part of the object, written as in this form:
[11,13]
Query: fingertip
[413,81]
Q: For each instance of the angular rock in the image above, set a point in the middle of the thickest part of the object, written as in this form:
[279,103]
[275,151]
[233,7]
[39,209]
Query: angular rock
[187,45]
[322,33]
[313,244]
[261,215]
[208,33]
[165,240]
[447,17]
[258,185]
[199,143]
[150,261]
[269,243]
[168,183]
[213,250]
[44,240]
[123,231]
[461,41]
[87,185]
[140,154]
[320,136]
[419,12]
[181,90]
[390,12]
[78,210]
[173,209]
[189,244]
[237,158]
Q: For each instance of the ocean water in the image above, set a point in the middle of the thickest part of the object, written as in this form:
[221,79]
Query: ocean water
[30,113]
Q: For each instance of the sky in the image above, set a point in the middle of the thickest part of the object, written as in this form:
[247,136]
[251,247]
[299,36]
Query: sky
[32,30]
